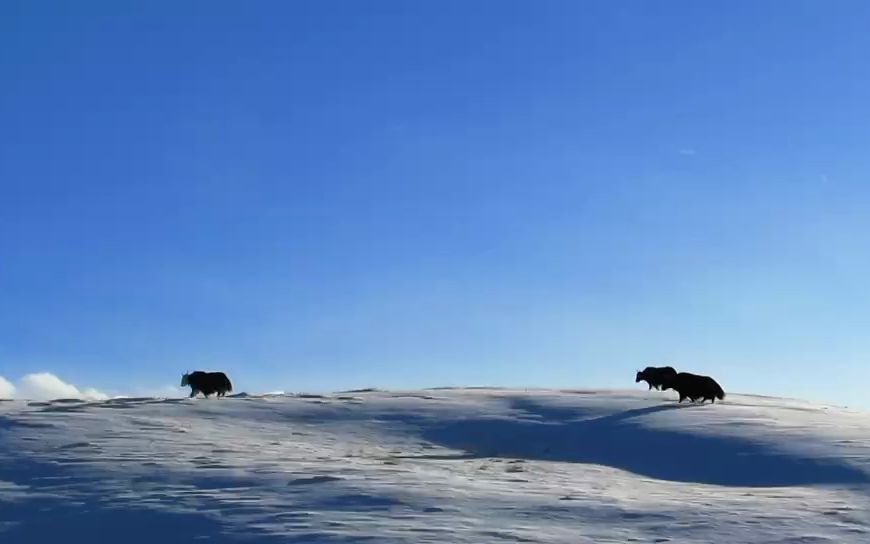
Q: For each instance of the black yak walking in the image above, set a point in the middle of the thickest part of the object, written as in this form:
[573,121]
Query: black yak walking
[655,376]
[207,383]
[694,386]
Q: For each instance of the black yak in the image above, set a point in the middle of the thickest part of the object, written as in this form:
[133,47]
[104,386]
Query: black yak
[655,376]
[694,386]
[207,383]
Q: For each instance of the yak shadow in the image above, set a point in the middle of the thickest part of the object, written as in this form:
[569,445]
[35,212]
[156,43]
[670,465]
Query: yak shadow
[567,434]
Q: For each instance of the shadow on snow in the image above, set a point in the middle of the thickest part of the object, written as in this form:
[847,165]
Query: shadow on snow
[52,507]
[559,434]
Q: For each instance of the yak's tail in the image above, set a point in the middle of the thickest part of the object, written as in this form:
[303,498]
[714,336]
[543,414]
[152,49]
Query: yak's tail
[720,394]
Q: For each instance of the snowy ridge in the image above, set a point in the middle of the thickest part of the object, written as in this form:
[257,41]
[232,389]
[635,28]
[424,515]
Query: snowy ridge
[446,465]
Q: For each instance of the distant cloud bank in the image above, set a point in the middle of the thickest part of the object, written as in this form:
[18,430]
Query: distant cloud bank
[46,386]
[7,390]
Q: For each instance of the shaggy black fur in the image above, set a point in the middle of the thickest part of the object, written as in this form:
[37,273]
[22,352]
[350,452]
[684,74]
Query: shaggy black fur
[694,386]
[207,383]
[655,376]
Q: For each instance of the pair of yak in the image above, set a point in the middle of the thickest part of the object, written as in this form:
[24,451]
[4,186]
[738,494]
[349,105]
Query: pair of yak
[686,384]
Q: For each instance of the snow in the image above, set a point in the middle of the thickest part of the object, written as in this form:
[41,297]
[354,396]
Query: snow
[446,465]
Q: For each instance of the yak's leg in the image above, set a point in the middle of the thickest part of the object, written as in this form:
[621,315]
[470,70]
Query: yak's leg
[682,398]
[192,393]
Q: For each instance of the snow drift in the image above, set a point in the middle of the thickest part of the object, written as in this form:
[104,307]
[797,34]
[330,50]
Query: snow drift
[434,466]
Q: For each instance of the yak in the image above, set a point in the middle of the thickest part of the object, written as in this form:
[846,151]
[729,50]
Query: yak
[655,376]
[694,386]
[206,383]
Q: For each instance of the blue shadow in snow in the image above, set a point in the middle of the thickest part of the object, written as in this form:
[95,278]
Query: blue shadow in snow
[45,515]
[559,434]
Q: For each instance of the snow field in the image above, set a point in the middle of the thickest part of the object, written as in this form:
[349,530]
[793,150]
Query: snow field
[447,465]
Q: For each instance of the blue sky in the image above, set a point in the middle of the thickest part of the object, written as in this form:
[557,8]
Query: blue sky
[332,194]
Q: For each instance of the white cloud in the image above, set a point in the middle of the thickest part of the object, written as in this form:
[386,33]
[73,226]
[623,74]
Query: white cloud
[688,152]
[94,394]
[7,390]
[47,386]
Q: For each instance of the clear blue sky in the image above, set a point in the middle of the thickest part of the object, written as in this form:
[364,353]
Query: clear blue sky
[321,195]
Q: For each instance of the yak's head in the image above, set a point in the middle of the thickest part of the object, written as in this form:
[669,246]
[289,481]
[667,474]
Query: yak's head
[639,377]
[185,379]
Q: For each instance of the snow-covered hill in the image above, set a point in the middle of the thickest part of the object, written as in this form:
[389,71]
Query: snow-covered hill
[449,465]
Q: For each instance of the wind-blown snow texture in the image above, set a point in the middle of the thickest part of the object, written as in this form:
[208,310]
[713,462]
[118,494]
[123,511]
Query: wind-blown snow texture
[445,465]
